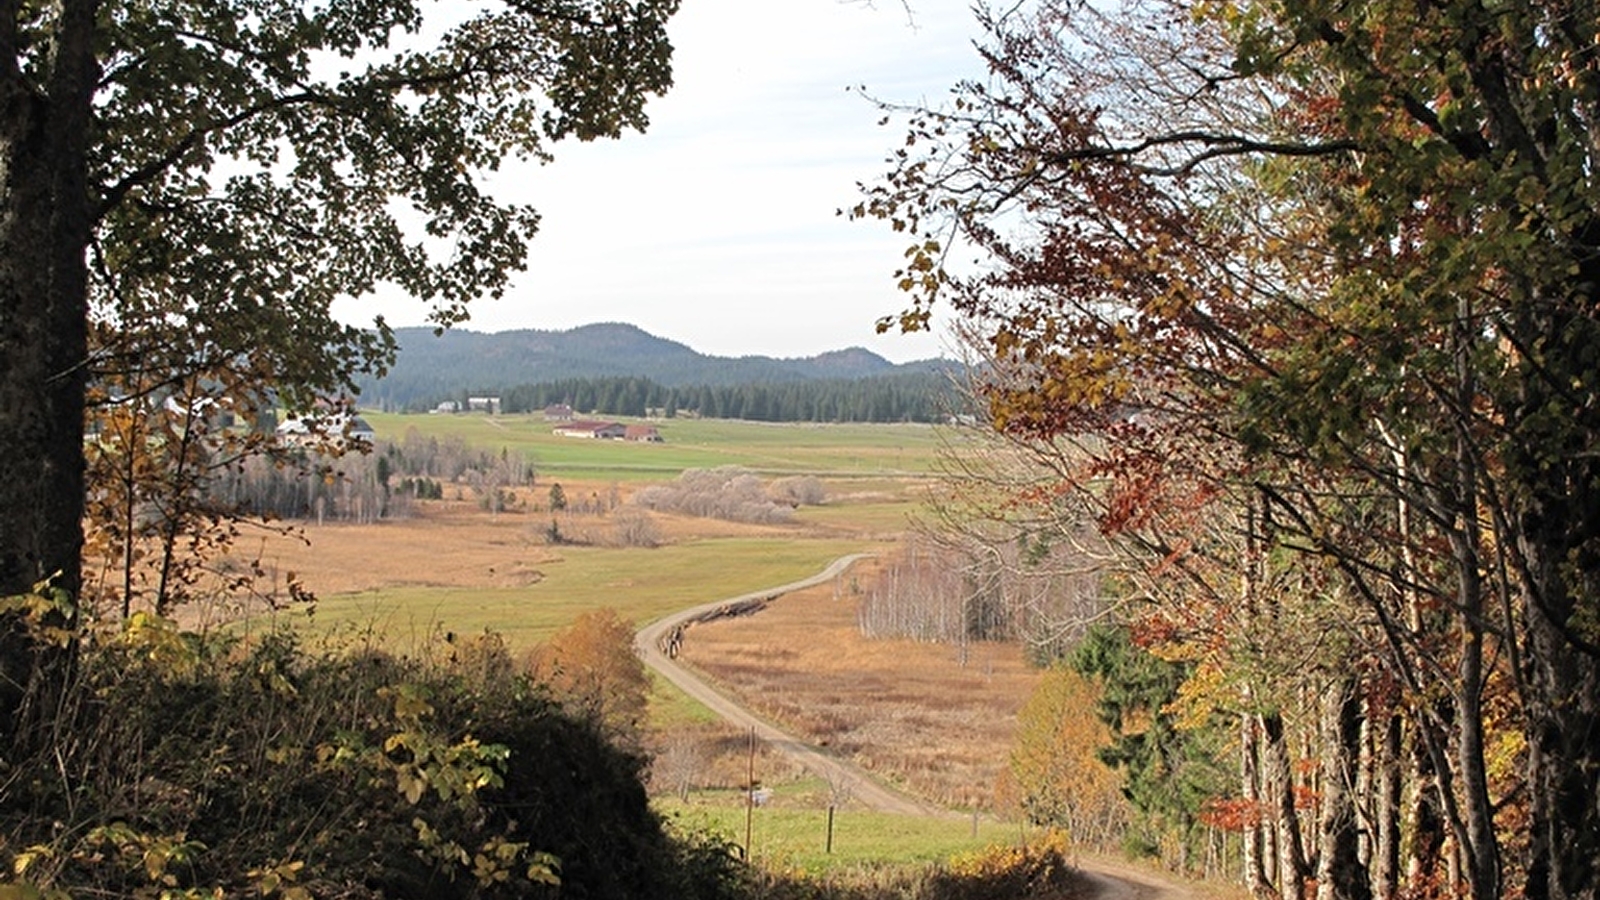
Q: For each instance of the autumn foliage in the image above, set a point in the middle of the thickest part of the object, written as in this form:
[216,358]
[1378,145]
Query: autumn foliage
[1295,303]
[592,668]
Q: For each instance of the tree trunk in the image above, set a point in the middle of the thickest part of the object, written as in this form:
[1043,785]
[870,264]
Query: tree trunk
[1563,707]
[1293,870]
[1340,874]
[1553,464]
[1479,844]
[1255,835]
[1386,811]
[45,222]
[1255,875]
[44,231]
[1425,824]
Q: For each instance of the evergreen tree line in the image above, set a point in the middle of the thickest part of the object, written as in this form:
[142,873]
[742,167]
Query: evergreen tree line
[917,397]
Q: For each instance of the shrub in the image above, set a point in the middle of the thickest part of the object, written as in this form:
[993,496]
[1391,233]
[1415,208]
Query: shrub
[635,528]
[1039,870]
[182,763]
[798,490]
[726,492]
[591,666]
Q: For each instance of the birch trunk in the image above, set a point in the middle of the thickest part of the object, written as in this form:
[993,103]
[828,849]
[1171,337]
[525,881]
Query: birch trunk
[1292,868]
[1255,873]
[1386,811]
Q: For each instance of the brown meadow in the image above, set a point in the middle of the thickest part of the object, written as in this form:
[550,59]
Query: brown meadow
[934,719]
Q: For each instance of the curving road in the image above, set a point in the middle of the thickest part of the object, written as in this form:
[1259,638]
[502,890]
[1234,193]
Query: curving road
[653,639]
[1107,879]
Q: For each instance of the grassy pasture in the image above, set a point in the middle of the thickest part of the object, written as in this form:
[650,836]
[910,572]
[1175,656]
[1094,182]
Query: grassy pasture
[836,451]
[790,832]
[526,591]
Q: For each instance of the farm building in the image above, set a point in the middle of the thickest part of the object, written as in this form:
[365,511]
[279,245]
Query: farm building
[646,433]
[592,429]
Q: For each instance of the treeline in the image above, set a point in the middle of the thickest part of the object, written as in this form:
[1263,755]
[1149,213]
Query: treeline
[301,483]
[957,589]
[906,397]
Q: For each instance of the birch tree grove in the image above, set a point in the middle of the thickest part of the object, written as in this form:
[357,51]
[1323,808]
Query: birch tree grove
[1308,293]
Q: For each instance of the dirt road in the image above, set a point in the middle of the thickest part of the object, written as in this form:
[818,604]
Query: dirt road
[1109,879]
[654,639]
[1112,879]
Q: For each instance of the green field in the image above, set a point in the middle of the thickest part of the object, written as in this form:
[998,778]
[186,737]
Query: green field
[831,451]
[791,831]
[641,584]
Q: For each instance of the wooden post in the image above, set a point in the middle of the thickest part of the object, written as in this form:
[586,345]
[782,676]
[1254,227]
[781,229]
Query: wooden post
[750,796]
[829,849]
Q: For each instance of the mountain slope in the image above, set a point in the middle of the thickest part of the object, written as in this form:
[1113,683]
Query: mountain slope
[478,362]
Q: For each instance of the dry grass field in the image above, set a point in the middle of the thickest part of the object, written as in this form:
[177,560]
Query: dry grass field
[453,566]
[929,718]
[918,714]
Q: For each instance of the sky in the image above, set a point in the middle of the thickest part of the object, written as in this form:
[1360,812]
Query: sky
[717,228]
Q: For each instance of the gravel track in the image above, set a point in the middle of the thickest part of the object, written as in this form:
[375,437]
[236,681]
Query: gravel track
[1108,879]
[653,639]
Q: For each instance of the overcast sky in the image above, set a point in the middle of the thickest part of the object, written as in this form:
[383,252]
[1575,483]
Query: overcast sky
[717,228]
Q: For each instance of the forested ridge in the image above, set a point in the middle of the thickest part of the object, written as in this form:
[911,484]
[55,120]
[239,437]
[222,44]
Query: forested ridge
[616,369]
[915,397]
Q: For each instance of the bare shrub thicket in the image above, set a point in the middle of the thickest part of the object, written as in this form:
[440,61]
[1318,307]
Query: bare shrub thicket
[921,596]
[679,765]
[798,490]
[727,492]
[956,591]
[304,483]
[631,527]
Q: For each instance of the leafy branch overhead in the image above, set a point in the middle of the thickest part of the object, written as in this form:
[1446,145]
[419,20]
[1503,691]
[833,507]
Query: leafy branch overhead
[187,188]
[190,187]
[1296,302]
[254,161]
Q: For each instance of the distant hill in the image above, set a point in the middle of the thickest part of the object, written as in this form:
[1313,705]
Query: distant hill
[433,367]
